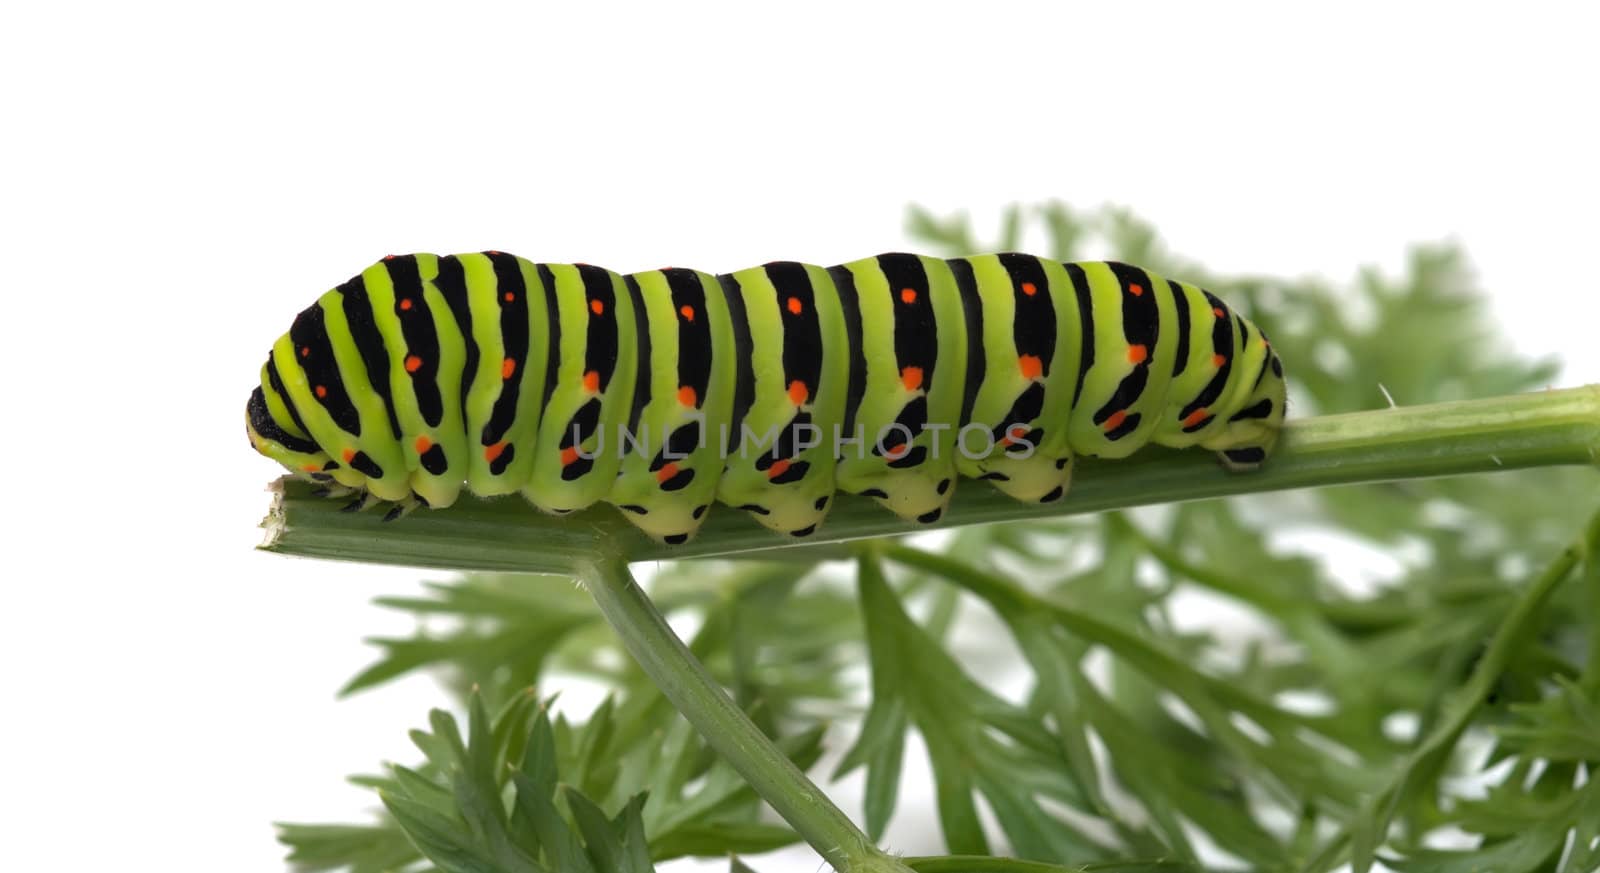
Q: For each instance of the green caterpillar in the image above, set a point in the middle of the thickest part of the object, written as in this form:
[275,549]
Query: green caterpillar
[767,389]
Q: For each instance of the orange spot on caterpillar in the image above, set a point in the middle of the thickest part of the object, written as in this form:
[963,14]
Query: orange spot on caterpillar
[310,468]
[492,452]
[598,307]
[1217,311]
[1196,417]
[413,363]
[348,455]
[795,306]
[911,377]
[687,312]
[1137,354]
[798,392]
[405,303]
[305,351]
[1029,289]
[491,252]
[908,296]
[1116,419]
[778,468]
[1014,433]
[896,451]
[569,455]
[423,444]
[507,367]
[388,257]
[322,391]
[591,381]
[1218,360]
[1031,366]
[666,472]
[687,396]
[509,296]
[1136,290]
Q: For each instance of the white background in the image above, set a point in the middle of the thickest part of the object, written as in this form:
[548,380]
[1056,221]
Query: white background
[178,180]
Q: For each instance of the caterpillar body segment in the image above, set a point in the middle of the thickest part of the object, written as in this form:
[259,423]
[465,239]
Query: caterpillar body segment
[767,389]
[502,305]
[795,337]
[1031,351]
[590,348]
[686,385]
[913,344]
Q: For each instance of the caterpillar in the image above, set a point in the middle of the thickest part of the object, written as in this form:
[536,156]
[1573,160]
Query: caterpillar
[768,389]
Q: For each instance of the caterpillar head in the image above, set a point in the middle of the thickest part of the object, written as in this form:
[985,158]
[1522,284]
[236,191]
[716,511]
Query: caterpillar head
[269,436]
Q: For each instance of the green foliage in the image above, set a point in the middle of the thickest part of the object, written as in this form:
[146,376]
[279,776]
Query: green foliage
[516,794]
[1332,719]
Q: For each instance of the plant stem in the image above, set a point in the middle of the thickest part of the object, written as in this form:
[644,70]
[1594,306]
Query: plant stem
[1590,678]
[668,663]
[1501,433]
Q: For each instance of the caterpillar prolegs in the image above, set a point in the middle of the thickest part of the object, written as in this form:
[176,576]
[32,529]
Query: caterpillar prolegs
[768,389]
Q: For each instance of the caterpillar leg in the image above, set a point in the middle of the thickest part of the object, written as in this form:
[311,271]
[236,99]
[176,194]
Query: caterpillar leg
[1040,478]
[913,497]
[914,479]
[1026,463]
[787,496]
[1243,458]
[1245,443]
[363,500]
[788,485]
[666,492]
[367,500]
[404,507]
[1251,432]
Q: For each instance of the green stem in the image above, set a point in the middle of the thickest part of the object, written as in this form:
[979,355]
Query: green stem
[1590,679]
[668,662]
[1502,433]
